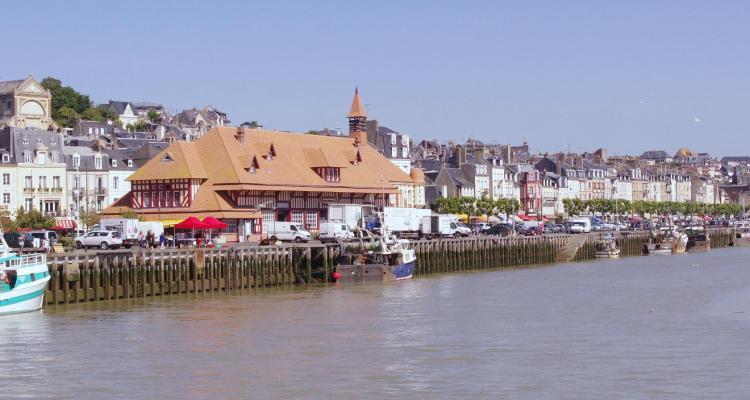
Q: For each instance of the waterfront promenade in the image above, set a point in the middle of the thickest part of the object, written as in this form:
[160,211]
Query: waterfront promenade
[109,276]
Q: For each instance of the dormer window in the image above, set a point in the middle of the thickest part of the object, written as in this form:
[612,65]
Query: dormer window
[329,174]
[130,163]
[27,157]
[38,140]
[25,140]
[167,158]
[269,155]
[6,158]
[114,163]
[98,161]
[76,160]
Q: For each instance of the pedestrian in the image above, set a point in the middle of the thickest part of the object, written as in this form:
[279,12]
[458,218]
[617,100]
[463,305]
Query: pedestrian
[140,239]
[162,239]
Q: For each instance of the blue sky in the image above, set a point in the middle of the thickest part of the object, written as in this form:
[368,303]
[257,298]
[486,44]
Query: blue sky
[629,76]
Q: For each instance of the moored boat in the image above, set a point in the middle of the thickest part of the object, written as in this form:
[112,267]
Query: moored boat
[392,261]
[662,242]
[606,247]
[23,280]
[742,236]
[698,239]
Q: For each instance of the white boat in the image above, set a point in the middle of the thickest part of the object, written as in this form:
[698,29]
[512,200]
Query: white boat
[606,247]
[393,261]
[23,280]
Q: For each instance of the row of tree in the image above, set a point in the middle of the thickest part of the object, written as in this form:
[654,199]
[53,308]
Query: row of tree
[640,207]
[472,206]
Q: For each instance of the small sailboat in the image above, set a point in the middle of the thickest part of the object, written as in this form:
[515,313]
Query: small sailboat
[392,261]
[23,280]
[606,247]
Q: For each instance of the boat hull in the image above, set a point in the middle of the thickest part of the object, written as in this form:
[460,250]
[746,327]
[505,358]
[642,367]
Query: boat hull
[26,299]
[374,273]
[607,254]
[698,245]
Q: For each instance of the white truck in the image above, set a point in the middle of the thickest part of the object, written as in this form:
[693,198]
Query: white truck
[404,221]
[439,225]
[579,224]
[349,214]
[127,227]
[335,231]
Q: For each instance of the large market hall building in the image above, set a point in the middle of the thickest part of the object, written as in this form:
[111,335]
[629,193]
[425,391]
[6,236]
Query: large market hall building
[251,177]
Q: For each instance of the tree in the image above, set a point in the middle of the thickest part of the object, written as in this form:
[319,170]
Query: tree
[33,219]
[130,214]
[312,132]
[108,114]
[89,217]
[65,96]
[7,223]
[66,117]
[138,126]
[92,114]
[153,116]
[251,124]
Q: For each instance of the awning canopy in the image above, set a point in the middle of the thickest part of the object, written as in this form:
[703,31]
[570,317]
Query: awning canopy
[62,224]
[168,223]
[213,223]
[191,223]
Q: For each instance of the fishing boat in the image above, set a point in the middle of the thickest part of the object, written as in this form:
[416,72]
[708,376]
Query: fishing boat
[392,260]
[606,247]
[742,236]
[23,280]
[661,243]
[679,245]
[698,239]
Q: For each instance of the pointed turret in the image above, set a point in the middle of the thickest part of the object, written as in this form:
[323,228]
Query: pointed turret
[357,119]
[358,110]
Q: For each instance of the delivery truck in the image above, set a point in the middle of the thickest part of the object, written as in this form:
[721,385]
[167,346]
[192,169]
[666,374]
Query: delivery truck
[438,226]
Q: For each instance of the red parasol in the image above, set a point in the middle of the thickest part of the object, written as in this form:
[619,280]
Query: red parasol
[213,223]
[191,223]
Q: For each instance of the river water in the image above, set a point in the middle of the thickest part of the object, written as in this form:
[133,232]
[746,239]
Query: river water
[669,327]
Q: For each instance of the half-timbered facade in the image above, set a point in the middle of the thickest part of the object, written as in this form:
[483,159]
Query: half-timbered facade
[250,177]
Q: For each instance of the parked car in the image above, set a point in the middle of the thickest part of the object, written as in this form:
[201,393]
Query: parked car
[18,239]
[499,230]
[101,239]
[463,229]
[335,231]
[534,231]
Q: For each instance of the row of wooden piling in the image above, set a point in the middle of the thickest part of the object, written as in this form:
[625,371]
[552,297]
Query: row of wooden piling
[104,276]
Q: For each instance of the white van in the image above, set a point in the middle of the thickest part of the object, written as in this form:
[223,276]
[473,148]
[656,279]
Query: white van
[286,232]
[579,224]
[334,231]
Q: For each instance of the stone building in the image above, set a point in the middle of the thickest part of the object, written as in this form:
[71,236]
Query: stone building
[24,103]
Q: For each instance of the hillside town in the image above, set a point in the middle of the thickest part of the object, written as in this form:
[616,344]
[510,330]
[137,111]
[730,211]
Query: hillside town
[137,158]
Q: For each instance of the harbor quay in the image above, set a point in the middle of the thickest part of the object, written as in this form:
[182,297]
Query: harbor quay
[109,276]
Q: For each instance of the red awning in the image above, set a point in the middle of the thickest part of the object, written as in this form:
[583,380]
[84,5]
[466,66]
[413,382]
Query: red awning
[191,223]
[213,223]
[63,224]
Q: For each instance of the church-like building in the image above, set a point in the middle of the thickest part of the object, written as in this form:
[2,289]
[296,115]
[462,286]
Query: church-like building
[24,103]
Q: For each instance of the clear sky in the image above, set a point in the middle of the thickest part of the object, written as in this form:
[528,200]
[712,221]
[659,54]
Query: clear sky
[578,75]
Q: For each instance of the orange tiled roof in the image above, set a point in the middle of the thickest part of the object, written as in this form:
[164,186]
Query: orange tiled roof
[178,161]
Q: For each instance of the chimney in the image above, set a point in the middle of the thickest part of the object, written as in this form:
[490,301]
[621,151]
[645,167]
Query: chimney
[240,135]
